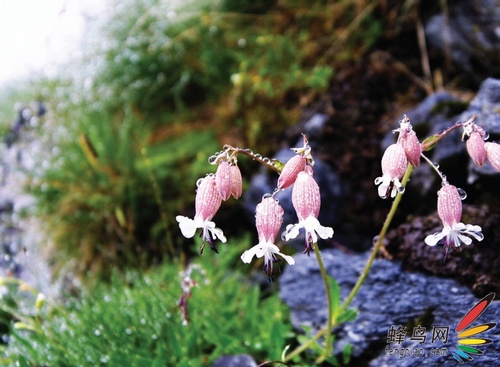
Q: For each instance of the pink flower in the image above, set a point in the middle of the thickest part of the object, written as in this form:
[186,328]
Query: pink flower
[236,181]
[223,180]
[207,203]
[475,136]
[493,155]
[306,200]
[289,173]
[394,164]
[408,139]
[476,148]
[450,211]
[268,219]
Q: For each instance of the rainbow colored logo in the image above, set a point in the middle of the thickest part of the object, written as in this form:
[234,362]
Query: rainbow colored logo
[470,336]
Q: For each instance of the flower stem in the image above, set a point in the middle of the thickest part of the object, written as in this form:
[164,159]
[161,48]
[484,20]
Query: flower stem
[434,167]
[380,240]
[256,157]
[378,244]
[328,292]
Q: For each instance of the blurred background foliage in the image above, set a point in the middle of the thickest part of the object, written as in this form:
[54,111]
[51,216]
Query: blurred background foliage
[159,89]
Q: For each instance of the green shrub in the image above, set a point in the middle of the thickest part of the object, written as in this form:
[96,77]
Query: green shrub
[135,320]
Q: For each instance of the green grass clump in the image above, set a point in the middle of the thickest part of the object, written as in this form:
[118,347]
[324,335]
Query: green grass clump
[107,194]
[135,320]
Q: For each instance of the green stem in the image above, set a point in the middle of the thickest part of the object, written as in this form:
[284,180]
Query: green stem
[328,291]
[362,277]
[378,244]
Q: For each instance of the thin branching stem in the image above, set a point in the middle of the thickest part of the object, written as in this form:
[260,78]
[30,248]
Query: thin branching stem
[255,157]
[362,277]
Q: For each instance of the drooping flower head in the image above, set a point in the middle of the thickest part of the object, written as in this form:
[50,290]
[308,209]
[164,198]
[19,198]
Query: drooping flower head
[268,220]
[306,200]
[475,136]
[236,181]
[207,202]
[408,139]
[295,165]
[394,164]
[290,171]
[493,155]
[449,205]
[223,180]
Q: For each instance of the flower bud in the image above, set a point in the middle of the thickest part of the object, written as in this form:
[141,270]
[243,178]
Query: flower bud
[449,205]
[475,148]
[236,182]
[289,173]
[268,219]
[223,178]
[208,200]
[493,154]
[412,148]
[306,197]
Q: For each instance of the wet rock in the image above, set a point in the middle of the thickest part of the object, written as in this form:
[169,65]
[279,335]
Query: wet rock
[476,266]
[470,36]
[241,360]
[389,297]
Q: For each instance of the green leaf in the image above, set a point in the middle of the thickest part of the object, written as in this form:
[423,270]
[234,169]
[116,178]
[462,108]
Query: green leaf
[346,354]
[430,142]
[348,315]
[335,289]
[278,164]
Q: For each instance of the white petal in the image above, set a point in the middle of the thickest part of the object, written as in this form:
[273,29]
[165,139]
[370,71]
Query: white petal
[290,260]
[217,232]
[385,182]
[187,225]
[248,255]
[433,239]
[312,224]
[325,232]
[292,231]
[461,238]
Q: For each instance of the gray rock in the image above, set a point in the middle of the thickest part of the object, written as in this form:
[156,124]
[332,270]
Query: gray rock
[472,36]
[389,297]
[241,360]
